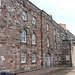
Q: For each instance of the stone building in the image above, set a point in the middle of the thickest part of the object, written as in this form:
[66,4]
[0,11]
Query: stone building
[20,35]
[59,36]
[47,40]
[29,37]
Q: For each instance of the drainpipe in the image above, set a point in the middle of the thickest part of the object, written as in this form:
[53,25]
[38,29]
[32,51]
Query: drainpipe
[41,42]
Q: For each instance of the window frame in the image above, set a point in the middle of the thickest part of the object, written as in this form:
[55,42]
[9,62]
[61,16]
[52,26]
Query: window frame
[24,57]
[24,36]
[56,59]
[59,58]
[34,20]
[0,5]
[24,15]
[47,25]
[35,58]
[34,39]
[48,42]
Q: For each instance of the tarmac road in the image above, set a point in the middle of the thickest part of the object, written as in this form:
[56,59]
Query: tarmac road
[52,71]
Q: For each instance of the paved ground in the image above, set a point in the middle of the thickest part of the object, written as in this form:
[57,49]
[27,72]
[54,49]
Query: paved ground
[53,71]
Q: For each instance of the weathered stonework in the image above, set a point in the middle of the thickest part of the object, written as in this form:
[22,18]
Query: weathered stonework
[11,46]
[10,34]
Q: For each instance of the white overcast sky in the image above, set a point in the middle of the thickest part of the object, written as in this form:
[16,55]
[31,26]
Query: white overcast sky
[63,11]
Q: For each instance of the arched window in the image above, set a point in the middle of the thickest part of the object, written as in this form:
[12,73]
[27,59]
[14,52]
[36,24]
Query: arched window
[33,39]
[23,36]
[47,42]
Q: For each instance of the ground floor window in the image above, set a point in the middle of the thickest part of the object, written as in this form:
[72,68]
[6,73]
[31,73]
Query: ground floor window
[59,58]
[23,57]
[67,57]
[33,58]
[55,58]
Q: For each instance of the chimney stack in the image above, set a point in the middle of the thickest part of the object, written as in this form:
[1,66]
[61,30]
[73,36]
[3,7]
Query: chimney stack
[63,26]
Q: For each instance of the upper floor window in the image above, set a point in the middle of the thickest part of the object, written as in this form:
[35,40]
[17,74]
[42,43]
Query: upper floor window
[23,57]
[33,58]
[24,15]
[23,36]
[0,3]
[54,31]
[58,34]
[47,27]
[33,39]
[63,37]
[55,45]
[34,20]
[47,42]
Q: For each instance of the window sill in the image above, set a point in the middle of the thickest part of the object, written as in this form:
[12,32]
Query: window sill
[23,62]
[23,41]
[34,62]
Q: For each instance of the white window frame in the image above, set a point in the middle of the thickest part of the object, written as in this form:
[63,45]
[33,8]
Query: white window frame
[34,20]
[23,36]
[34,39]
[47,27]
[23,57]
[34,58]
[47,42]
[0,5]
[24,15]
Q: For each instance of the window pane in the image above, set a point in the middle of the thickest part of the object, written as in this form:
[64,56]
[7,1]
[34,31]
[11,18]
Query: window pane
[0,3]
[47,42]
[33,57]
[33,39]
[24,16]
[47,27]
[23,36]
[33,20]
[23,58]
[55,57]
